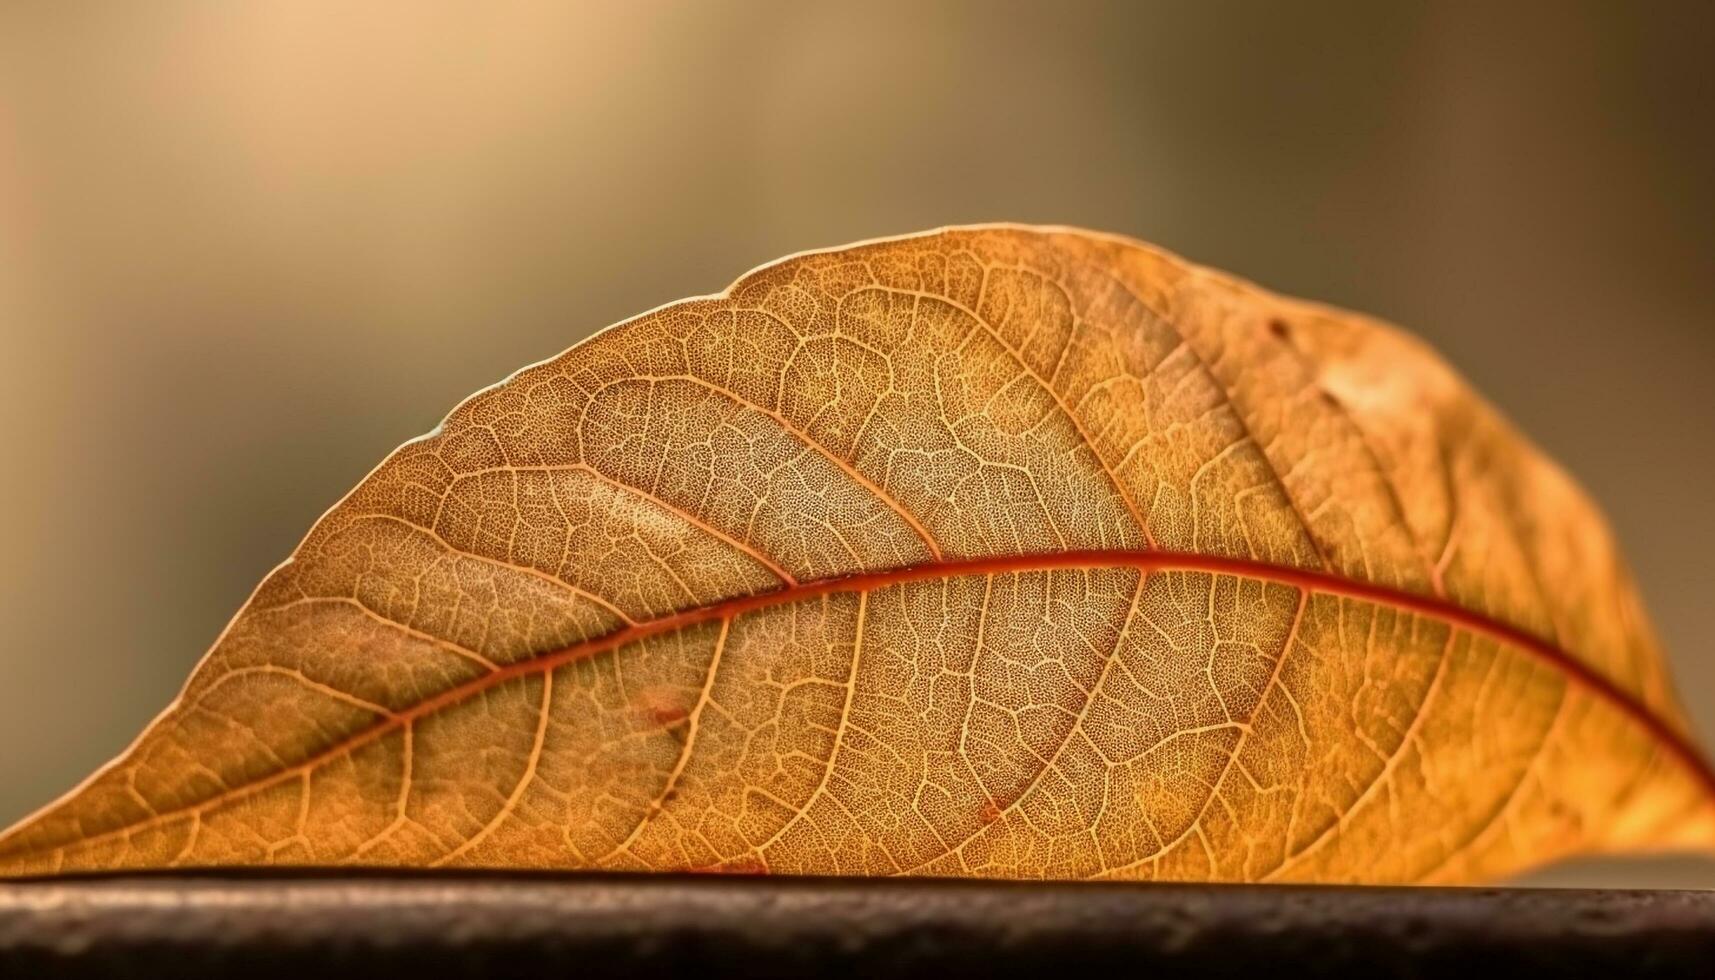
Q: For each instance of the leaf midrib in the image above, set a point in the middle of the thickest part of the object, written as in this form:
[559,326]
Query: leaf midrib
[1570,667]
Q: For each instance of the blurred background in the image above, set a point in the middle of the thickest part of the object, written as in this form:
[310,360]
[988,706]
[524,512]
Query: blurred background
[247,249]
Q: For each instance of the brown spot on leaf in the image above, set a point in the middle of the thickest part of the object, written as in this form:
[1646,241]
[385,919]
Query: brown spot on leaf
[665,706]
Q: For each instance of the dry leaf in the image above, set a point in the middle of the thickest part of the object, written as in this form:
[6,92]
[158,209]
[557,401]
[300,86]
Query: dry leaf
[1001,551]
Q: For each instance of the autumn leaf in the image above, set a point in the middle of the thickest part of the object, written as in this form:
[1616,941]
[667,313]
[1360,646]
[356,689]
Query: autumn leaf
[999,551]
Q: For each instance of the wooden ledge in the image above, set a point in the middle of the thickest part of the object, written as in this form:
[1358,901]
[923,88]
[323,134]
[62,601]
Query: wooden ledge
[261,925]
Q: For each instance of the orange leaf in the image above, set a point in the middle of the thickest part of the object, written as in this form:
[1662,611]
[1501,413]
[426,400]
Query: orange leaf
[999,551]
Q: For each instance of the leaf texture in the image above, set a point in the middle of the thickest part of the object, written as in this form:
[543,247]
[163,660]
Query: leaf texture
[1000,551]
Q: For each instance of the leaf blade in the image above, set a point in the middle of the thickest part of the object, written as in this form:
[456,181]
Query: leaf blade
[690,460]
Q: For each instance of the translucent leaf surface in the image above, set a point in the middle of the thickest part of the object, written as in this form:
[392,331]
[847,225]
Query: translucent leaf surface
[999,551]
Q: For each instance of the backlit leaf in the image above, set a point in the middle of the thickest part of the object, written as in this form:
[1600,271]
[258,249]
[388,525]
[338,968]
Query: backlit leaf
[1000,551]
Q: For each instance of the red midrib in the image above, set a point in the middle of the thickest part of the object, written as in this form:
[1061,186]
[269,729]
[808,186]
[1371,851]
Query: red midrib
[1575,671]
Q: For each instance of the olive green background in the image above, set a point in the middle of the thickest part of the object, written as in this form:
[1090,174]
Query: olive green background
[247,249]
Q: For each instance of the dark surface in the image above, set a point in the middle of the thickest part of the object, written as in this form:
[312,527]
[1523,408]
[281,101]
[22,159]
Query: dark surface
[258,926]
